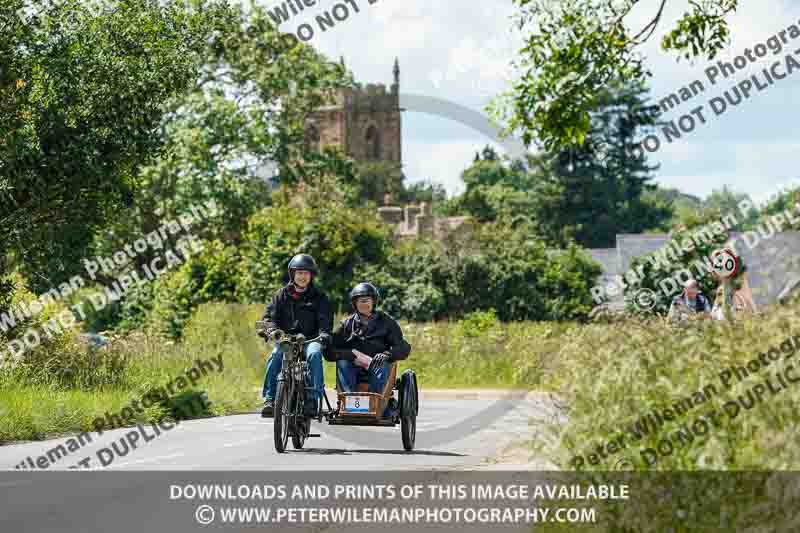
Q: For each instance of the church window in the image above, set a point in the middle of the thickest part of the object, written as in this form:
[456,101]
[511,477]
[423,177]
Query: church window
[373,143]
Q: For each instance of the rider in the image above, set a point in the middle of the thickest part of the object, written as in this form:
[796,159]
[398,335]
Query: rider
[371,332]
[299,307]
[691,301]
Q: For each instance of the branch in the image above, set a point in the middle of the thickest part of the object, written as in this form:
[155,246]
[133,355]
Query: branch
[650,25]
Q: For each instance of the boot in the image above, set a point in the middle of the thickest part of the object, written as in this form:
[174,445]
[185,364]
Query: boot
[268,410]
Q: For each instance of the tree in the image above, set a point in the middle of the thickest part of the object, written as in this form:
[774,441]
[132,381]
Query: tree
[490,169]
[318,222]
[593,191]
[683,205]
[374,179]
[574,48]
[496,189]
[82,99]
[488,266]
[424,191]
[117,118]
[786,201]
[726,201]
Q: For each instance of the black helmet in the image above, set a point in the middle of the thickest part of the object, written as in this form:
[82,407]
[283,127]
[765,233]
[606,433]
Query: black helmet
[364,289]
[302,262]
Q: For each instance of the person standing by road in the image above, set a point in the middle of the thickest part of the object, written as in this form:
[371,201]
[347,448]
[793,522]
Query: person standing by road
[690,303]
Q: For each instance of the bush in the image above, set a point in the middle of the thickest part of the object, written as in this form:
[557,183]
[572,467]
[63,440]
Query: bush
[61,359]
[204,277]
[477,323]
[406,281]
[338,237]
[697,262]
[482,268]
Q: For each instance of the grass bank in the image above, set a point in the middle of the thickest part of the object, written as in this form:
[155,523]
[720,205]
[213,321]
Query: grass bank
[476,352]
[706,417]
[652,397]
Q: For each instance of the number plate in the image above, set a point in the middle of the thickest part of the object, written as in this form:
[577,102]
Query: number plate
[356,404]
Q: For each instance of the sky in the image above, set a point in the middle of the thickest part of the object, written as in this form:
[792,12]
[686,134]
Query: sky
[461,51]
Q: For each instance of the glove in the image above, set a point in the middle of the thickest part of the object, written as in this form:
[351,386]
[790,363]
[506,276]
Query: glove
[324,339]
[274,334]
[378,360]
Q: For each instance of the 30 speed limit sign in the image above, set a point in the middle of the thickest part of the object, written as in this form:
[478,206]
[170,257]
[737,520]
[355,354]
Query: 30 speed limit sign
[725,263]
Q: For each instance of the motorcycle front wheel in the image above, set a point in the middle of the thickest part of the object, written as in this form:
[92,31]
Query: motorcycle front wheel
[281,417]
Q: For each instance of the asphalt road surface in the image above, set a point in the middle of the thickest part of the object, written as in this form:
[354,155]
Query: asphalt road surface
[455,430]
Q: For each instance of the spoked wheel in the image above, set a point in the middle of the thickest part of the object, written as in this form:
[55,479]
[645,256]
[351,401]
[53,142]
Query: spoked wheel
[300,423]
[281,416]
[408,409]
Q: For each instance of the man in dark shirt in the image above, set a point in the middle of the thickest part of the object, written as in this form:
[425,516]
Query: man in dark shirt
[299,307]
[690,303]
[371,332]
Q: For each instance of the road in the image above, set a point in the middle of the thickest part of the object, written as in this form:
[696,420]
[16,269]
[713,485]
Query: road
[458,434]
[455,430]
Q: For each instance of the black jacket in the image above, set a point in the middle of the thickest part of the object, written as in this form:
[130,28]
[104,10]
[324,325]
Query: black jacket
[310,314]
[381,334]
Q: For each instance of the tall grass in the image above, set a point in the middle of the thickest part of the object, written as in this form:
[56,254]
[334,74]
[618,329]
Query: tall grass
[609,375]
[55,391]
[605,377]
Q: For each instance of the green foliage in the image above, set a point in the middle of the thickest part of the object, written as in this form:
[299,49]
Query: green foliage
[590,193]
[708,235]
[585,194]
[623,377]
[484,267]
[787,201]
[406,280]
[378,178]
[87,90]
[97,318]
[61,359]
[574,49]
[477,323]
[683,205]
[687,207]
[318,223]
[424,191]
[489,203]
[244,119]
[205,277]
[496,189]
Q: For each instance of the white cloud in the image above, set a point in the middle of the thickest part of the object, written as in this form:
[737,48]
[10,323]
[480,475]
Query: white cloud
[442,161]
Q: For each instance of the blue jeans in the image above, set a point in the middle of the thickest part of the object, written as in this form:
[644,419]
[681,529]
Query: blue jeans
[347,375]
[314,375]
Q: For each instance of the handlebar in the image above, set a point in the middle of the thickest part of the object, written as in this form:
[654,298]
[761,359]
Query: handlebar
[284,337]
[298,338]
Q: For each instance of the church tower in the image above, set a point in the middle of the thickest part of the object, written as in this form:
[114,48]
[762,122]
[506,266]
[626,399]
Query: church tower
[364,122]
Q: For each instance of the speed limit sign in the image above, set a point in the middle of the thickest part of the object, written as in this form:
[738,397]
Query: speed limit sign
[725,263]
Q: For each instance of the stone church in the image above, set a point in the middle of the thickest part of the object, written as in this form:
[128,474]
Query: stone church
[364,122]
